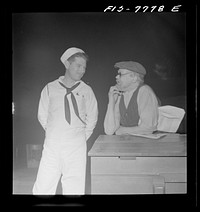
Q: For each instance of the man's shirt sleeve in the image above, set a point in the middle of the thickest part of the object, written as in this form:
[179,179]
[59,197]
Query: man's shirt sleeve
[43,107]
[147,108]
[91,113]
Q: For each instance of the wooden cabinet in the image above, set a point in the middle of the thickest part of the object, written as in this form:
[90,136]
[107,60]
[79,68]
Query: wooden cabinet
[135,165]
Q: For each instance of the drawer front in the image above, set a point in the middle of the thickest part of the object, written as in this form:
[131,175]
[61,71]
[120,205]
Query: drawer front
[176,188]
[138,184]
[171,167]
[113,184]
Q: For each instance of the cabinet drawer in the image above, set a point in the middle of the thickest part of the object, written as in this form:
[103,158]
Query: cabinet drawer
[175,188]
[174,168]
[113,184]
[138,184]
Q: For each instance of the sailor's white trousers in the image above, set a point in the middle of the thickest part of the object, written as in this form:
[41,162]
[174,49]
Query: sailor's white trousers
[62,159]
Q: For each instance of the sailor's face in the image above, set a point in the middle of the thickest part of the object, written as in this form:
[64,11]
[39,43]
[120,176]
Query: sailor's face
[77,68]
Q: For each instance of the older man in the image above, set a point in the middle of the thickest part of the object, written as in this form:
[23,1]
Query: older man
[132,106]
[68,113]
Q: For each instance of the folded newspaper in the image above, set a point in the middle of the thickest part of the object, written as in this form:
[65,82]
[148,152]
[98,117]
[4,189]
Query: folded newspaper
[152,136]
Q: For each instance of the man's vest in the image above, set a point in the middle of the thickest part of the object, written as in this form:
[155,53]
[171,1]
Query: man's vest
[129,116]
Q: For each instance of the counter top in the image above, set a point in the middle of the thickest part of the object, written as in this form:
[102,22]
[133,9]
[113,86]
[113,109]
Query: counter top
[171,145]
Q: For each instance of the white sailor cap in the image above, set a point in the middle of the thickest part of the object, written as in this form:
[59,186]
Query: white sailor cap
[69,52]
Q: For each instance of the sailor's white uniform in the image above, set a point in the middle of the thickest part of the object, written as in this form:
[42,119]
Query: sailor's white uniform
[64,149]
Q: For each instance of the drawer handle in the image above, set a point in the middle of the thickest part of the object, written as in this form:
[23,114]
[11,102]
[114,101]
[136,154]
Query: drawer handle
[127,158]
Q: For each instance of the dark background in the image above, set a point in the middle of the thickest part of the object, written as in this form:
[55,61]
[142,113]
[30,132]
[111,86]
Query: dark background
[156,40]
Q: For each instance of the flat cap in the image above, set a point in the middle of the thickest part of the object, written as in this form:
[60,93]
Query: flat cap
[69,52]
[131,66]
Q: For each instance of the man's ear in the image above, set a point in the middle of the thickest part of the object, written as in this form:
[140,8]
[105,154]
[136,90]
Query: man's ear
[66,63]
[133,76]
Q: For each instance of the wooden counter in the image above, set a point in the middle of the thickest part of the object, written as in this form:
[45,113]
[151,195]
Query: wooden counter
[132,165]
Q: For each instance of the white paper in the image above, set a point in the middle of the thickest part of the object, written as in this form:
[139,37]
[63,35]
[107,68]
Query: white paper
[152,136]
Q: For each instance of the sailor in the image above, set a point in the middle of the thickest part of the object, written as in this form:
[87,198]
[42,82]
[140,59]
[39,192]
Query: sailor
[68,113]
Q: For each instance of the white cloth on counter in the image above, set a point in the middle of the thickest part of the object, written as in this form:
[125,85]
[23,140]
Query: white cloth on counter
[169,118]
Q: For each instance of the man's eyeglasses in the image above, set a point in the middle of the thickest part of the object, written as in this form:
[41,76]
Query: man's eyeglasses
[120,74]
